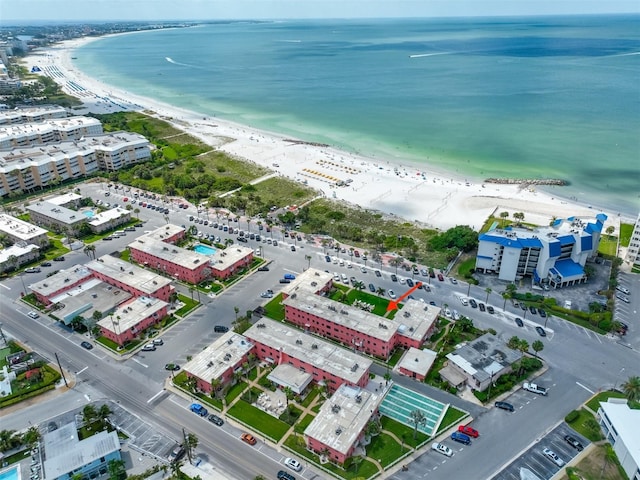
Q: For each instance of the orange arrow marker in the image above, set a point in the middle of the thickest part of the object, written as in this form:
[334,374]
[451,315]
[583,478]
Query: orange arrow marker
[393,304]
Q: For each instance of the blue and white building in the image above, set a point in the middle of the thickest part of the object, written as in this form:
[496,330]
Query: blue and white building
[555,254]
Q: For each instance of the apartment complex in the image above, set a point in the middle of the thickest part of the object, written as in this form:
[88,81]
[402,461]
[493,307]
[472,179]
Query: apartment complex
[555,255]
[340,425]
[130,318]
[56,218]
[633,251]
[17,255]
[19,231]
[620,426]
[32,114]
[157,250]
[354,326]
[27,168]
[49,131]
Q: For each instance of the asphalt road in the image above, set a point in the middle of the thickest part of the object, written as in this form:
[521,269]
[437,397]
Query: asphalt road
[580,362]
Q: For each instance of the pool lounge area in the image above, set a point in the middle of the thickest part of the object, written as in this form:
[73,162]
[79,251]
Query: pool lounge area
[204,249]
[399,402]
[11,473]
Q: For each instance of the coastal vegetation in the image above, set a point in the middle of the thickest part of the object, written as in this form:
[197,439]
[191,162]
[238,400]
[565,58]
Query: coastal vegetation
[38,90]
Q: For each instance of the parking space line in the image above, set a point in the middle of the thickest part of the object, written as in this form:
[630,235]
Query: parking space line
[580,385]
[139,362]
[156,396]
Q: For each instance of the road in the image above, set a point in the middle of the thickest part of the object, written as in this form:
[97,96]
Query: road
[580,361]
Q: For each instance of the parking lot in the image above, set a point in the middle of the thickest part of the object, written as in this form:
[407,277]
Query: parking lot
[536,462]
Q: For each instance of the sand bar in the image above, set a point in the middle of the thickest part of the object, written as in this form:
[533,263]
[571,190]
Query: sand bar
[411,192]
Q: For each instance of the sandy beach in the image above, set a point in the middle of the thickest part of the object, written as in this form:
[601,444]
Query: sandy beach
[410,192]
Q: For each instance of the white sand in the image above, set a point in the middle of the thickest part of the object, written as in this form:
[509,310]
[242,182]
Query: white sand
[410,192]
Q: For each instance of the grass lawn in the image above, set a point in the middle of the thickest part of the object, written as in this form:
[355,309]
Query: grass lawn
[581,426]
[608,245]
[380,303]
[309,398]
[274,309]
[403,431]
[385,449]
[188,305]
[396,356]
[626,230]
[262,422]
[234,391]
[594,403]
[305,422]
[282,191]
[16,457]
[452,416]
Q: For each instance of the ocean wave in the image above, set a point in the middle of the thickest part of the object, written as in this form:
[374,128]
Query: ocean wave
[420,55]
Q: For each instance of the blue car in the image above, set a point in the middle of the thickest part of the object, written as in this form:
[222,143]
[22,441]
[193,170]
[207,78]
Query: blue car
[198,409]
[461,437]
[289,276]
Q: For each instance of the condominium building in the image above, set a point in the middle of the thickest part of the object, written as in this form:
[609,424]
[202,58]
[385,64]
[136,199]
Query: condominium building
[280,344]
[49,131]
[131,278]
[20,231]
[28,168]
[620,426]
[31,114]
[340,425]
[555,255]
[56,218]
[633,251]
[48,290]
[219,361]
[108,219]
[129,319]
[16,255]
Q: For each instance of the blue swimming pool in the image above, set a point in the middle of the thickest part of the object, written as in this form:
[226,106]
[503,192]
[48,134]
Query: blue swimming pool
[11,473]
[399,402]
[204,249]
[88,213]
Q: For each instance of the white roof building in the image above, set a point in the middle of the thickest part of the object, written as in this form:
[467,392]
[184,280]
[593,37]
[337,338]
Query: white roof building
[49,131]
[21,231]
[31,114]
[621,426]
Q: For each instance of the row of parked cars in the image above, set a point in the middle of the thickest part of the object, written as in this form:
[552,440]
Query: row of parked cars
[463,435]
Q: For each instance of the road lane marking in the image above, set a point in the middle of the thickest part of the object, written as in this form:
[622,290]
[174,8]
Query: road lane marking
[590,391]
[139,362]
[87,397]
[3,285]
[156,396]
[78,373]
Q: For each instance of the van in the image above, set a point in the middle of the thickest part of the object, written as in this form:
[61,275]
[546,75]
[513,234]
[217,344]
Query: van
[344,278]
[461,438]
[120,233]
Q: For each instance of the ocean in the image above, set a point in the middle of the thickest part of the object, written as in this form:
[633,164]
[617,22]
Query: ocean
[548,97]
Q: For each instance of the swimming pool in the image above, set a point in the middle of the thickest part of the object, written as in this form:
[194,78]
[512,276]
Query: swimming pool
[399,402]
[88,213]
[12,473]
[204,249]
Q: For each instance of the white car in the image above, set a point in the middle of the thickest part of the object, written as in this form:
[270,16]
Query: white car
[293,464]
[551,455]
[464,301]
[442,448]
[149,347]
[622,289]
[391,294]
[33,314]
[402,281]
[447,313]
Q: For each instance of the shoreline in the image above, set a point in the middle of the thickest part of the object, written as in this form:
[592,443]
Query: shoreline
[396,187]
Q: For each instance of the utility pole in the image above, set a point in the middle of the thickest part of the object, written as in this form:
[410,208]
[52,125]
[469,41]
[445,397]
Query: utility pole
[61,370]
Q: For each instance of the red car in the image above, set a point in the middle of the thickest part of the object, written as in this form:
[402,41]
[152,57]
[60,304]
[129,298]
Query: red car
[440,277]
[467,430]
[248,438]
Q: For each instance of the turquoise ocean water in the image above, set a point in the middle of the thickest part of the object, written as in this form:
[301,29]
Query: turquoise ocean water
[511,97]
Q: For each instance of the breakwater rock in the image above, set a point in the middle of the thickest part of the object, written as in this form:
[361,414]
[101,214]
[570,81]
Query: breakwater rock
[528,181]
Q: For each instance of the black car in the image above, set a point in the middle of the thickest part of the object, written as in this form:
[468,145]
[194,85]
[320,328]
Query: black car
[473,303]
[220,329]
[409,282]
[504,406]
[282,475]
[172,367]
[519,322]
[523,306]
[285,280]
[45,264]
[394,278]
[490,309]
[542,313]
[86,345]
[378,274]
[573,442]
[216,420]
[242,239]
[138,225]
[58,259]
[263,269]
[533,310]
[541,331]
[327,258]
[372,288]
[481,307]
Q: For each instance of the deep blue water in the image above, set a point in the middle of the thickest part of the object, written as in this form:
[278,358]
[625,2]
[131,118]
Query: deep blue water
[536,97]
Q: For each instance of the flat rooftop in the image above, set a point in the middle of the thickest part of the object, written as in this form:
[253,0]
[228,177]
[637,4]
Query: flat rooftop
[343,417]
[130,314]
[416,318]
[108,216]
[310,281]
[50,285]
[170,253]
[218,357]
[64,199]
[163,233]
[57,212]
[68,124]
[310,349]
[88,297]
[125,272]
[225,258]
[16,251]
[18,228]
[26,114]
[418,361]
[348,316]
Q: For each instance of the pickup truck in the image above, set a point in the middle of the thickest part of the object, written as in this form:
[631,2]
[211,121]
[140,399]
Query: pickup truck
[532,387]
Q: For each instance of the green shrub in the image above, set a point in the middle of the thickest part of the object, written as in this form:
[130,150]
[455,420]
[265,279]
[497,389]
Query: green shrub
[572,416]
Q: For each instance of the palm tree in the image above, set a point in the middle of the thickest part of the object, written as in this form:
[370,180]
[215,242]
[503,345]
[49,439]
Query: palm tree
[236,310]
[417,417]
[90,250]
[488,290]
[308,259]
[89,413]
[513,343]
[191,442]
[116,469]
[381,291]
[631,388]
[537,346]
[504,216]
[288,394]
[519,216]
[524,346]
[357,460]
